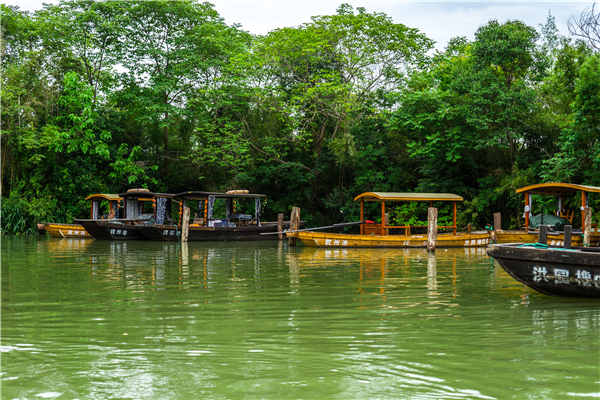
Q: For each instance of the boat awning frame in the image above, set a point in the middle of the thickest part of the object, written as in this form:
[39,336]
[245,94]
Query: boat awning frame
[240,196]
[107,196]
[198,195]
[145,196]
[556,188]
[393,196]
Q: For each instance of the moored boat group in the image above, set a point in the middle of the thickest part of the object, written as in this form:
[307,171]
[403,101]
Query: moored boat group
[567,264]
[141,214]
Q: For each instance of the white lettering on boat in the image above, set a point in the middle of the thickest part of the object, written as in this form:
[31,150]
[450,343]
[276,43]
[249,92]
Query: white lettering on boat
[540,274]
[583,277]
[561,276]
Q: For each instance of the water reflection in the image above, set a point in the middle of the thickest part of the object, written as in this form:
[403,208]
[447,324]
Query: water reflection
[219,320]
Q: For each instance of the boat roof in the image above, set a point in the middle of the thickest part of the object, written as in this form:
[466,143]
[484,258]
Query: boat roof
[141,194]
[241,195]
[395,196]
[555,188]
[198,195]
[107,196]
[194,195]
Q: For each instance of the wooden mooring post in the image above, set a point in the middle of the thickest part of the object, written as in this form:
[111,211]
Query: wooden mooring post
[568,229]
[280,226]
[543,236]
[294,224]
[587,228]
[497,221]
[185,224]
[432,213]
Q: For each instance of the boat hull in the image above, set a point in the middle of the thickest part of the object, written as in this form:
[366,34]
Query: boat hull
[553,238]
[202,233]
[65,230]
[553,271]
[326,239]
[111,229]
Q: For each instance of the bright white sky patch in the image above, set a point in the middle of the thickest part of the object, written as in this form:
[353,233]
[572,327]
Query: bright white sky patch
[440,20]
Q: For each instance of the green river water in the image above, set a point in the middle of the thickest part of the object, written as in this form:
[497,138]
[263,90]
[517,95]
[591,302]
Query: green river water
[84,319]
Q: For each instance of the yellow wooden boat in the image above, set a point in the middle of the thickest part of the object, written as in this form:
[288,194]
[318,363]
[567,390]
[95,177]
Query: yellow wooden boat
[63,230]
[558,190]
[378,235]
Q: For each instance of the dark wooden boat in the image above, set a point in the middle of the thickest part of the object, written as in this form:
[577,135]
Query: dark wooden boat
[205,226]
[141,207]
[552,270]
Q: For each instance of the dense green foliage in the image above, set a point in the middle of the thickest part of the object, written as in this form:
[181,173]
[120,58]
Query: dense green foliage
[104,96]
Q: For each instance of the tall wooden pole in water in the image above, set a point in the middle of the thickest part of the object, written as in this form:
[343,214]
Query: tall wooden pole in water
[185,224]
[431,228]
[568,229]
[280,226]
[294,224]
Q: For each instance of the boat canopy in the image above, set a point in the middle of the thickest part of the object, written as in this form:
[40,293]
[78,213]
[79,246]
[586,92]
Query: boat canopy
[393,196]
[145,195]
[199,195]
[195,195]
[556,188]
[241,195]
[107,196]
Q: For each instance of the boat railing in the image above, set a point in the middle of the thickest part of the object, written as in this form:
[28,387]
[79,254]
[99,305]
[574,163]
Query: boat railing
[407,228]
[378,228]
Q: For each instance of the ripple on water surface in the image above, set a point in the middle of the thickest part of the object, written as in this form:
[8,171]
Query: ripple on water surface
[98,319]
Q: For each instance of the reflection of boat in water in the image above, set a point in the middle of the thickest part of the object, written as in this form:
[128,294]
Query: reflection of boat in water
[381,234]
[552,270]
[529,233]
[67,244]
[61,230]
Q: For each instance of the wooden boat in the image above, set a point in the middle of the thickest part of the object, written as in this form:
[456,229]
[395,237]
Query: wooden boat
[381,235]
[62,230]
[555,238]
[204,226]
[140,207]
[552,270]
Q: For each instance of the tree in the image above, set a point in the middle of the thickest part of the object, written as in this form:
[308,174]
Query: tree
[587,26]
[175,50]
[83,36]
[579,156]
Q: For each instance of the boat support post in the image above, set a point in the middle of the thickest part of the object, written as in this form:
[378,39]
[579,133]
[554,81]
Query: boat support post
[587,230]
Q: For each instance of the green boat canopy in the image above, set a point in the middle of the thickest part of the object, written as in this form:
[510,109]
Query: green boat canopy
[393,196]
